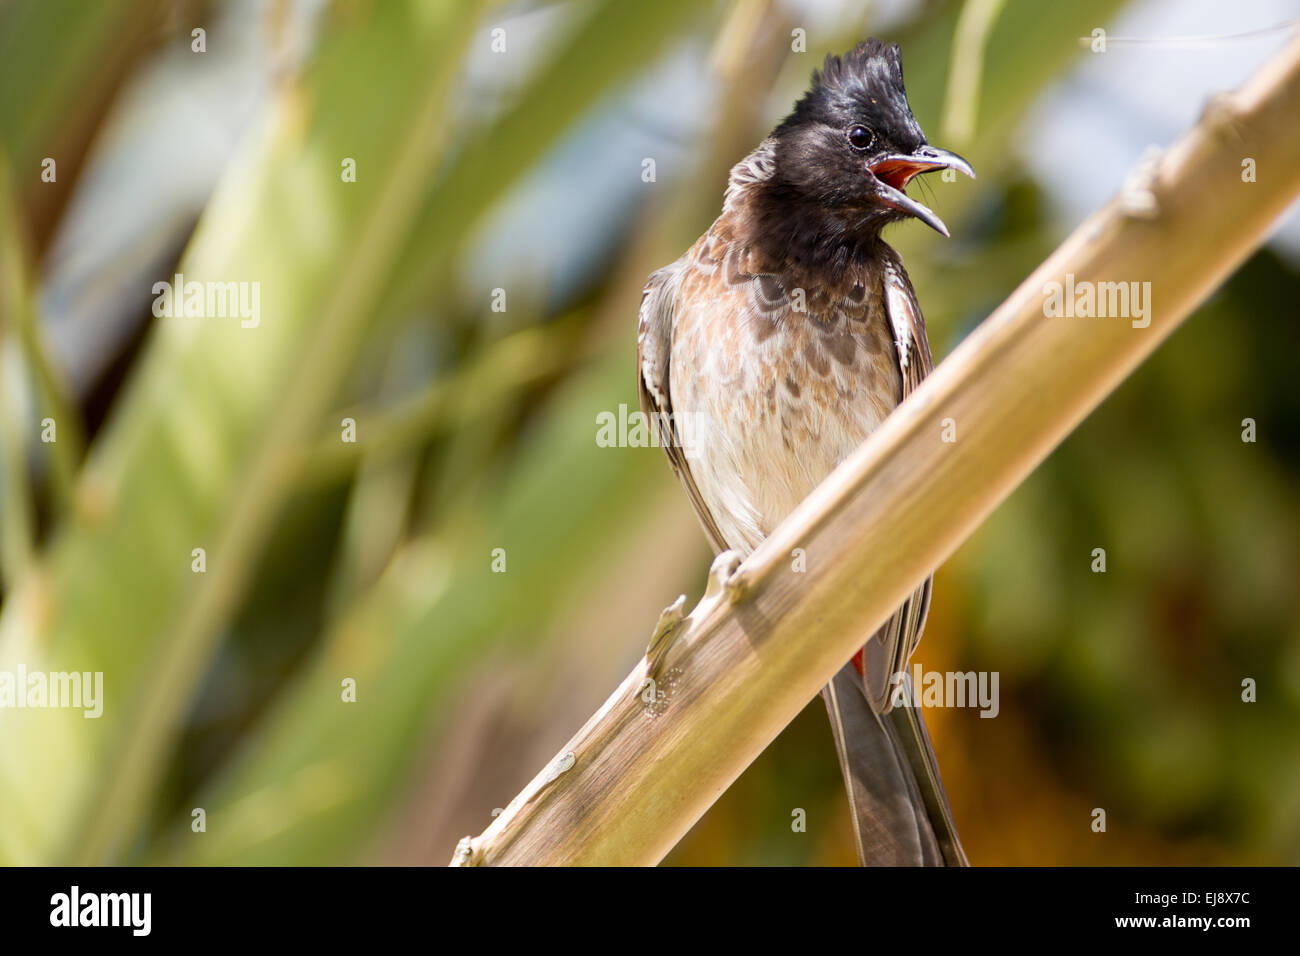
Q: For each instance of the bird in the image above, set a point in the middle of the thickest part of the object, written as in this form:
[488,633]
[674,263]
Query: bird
[772,349]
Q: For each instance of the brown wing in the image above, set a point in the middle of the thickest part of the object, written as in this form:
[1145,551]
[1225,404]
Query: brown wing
[887,652]
[909,326]
[654,348]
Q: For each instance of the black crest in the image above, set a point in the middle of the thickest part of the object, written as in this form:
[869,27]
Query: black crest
[818,206]
[865,85]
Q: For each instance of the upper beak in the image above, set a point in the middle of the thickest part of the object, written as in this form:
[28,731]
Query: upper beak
[896,171]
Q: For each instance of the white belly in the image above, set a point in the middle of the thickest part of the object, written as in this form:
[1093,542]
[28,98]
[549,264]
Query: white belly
[757,444]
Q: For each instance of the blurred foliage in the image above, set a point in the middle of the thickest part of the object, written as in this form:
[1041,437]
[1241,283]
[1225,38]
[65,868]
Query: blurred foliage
[374,561]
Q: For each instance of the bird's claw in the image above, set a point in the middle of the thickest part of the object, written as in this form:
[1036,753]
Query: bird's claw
[725,576]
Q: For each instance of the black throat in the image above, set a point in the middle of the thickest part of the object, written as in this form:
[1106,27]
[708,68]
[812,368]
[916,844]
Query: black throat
[804,237]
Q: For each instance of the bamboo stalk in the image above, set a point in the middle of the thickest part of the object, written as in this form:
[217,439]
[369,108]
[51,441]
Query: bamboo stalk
[766,637]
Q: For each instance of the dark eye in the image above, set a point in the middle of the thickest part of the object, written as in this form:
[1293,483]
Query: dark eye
[860,137]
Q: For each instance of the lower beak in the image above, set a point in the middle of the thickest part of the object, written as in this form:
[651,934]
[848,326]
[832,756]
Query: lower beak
[896,171]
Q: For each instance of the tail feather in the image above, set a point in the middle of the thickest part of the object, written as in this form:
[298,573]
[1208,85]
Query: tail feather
[900,812]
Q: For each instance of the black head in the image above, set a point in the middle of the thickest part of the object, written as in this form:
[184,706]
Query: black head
[846,153]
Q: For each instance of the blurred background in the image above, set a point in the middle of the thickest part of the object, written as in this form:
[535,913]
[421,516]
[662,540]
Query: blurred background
[479,569]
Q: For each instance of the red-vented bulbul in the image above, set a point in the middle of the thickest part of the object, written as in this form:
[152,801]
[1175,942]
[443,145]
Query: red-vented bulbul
[784,336]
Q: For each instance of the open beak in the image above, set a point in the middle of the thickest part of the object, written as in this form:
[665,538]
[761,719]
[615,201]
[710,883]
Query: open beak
[896,171]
